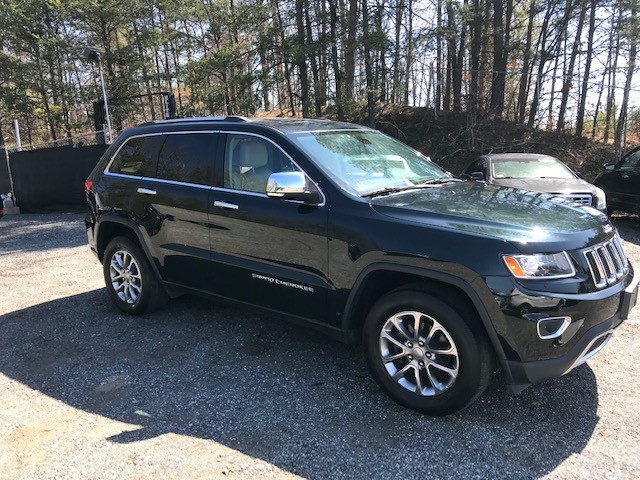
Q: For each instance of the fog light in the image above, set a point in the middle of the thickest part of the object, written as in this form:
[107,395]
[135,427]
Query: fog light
[552,327]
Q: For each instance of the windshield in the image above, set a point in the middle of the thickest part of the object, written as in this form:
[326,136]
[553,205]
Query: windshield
[363,161]
[547,167]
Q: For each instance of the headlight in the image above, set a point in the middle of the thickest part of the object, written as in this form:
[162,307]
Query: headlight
[601,199]
[540,265]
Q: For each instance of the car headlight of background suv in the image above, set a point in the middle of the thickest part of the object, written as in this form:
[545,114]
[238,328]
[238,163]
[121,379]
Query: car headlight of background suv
[600,199]
[540,265]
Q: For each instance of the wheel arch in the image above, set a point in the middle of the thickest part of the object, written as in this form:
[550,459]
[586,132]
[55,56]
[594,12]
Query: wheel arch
[379,279]
[114,226]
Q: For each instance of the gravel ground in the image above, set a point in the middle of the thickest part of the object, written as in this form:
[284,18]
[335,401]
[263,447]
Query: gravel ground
[205,390]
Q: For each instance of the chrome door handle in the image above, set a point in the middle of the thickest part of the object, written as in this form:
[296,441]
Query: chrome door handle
[146,191]
[625,175]
[220,204]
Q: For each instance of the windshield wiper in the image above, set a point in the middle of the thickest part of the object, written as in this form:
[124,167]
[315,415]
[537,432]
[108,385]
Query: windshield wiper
[389,190]
[439,181]
[434,182]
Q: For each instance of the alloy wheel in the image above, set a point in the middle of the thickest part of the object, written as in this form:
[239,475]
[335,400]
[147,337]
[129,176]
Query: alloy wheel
[125,275]
[419,353]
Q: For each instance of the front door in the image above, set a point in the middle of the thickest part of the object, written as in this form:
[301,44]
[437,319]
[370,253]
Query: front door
[623,183]
[267,251]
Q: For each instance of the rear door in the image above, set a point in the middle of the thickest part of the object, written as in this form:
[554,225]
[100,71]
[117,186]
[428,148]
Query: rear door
[172,205]
[622,184]
[269,252]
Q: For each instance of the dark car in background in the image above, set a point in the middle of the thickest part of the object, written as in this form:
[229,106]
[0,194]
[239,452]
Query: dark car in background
[349,231]
[621,183]
[536,173]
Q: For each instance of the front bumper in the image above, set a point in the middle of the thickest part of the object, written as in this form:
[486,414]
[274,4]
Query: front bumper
[591,342]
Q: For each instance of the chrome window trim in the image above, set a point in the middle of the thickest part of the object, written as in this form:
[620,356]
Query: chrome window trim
[244,192]
[199,185]
[177,182]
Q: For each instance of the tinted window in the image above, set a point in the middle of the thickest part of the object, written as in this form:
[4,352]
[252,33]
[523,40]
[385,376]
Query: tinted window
[137,156]
[188,158]
[475,167]
[632,161]
[249,161]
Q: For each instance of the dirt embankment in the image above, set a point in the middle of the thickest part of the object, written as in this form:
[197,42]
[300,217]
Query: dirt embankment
[454,139]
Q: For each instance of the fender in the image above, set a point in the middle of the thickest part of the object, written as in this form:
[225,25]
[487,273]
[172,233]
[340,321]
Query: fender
[465,286]
[143,239]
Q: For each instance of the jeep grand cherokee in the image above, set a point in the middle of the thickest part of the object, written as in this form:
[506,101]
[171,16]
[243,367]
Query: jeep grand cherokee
[353,233]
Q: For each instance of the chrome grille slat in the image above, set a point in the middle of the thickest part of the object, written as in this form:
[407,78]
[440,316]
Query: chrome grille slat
[607,262]
[615,256]
[581,199]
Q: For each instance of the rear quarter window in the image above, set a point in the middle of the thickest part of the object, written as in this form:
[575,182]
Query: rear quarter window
[138,156]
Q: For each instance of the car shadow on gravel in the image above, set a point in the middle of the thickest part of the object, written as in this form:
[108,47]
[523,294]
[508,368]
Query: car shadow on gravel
[279,393]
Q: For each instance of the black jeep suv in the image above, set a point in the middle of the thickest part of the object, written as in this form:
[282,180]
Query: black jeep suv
[354,233]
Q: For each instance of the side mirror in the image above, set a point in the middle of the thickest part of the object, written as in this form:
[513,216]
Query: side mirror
[609,166]
[292,186]
[476,176]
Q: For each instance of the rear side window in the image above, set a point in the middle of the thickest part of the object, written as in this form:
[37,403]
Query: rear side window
[188,158]
[137,156]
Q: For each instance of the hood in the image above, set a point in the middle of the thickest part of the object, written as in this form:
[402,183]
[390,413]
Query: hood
[547,185]
[532,221]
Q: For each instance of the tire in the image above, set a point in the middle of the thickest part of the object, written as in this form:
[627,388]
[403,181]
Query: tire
[140,290]
[469,359]
[524,309]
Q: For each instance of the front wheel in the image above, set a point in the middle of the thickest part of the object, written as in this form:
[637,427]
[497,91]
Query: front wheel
[131,282]
[424,354]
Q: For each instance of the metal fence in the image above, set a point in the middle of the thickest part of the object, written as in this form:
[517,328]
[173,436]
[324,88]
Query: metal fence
[81,140]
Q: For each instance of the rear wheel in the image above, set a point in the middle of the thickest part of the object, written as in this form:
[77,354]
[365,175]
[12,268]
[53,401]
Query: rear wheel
[424,354]
[131,282]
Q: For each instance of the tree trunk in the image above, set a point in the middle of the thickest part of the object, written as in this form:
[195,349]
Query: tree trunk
[609,115]
[525,76]
[587,70]
[337,71]
[631,66]
[476,39]
[568,77]
[371,120]
[350,50]
[458,61]
[395,92]
[438,102]
[409,58]
[501,37]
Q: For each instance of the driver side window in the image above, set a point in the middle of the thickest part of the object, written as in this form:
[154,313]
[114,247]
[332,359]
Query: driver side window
[632,161]
[250,160]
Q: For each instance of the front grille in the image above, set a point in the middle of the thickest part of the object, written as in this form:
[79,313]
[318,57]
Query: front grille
[581,199]
[607,262]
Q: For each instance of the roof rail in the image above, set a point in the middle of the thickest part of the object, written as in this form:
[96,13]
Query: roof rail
[227,118]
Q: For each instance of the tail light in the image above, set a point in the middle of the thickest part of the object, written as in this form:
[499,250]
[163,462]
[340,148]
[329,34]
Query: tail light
[87,186]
